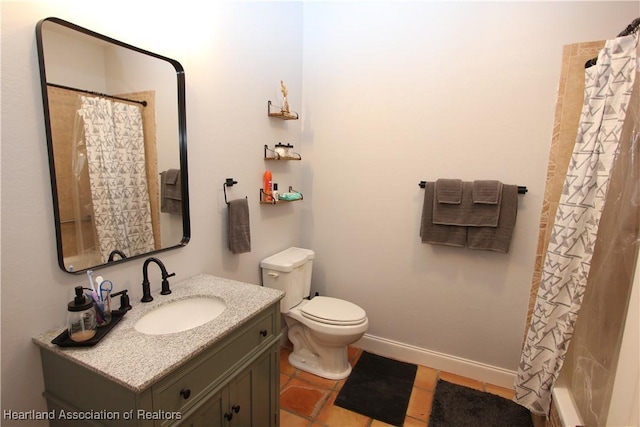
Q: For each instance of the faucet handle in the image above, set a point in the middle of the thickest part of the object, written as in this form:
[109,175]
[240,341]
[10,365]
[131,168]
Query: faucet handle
[125,304]
[165,284]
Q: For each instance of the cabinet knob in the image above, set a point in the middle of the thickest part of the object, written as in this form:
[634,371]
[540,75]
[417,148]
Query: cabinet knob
[228,416]
[185,393]
[263,332]
[235,408]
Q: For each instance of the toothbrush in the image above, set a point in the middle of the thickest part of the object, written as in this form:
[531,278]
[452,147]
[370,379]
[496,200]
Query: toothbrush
[99,281]
[99,310]
[90,277]
[94,294]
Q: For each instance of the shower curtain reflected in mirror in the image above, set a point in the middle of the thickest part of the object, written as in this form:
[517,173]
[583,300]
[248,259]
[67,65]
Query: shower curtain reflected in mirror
[569,254]
[111,146]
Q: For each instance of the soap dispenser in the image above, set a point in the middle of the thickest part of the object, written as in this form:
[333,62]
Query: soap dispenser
[81,319]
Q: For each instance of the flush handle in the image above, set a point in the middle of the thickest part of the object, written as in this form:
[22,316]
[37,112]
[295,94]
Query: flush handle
[274,275]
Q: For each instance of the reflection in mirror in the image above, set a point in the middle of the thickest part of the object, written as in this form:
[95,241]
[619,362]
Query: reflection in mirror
[116,135]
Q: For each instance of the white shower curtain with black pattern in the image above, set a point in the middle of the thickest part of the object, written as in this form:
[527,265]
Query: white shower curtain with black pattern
[608,87]
[114,141]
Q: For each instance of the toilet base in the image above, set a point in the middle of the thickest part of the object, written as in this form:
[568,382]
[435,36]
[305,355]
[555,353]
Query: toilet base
[309,362]
[326,361]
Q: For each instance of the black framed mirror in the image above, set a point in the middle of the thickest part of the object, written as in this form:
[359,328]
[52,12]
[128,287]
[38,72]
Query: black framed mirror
[116,137]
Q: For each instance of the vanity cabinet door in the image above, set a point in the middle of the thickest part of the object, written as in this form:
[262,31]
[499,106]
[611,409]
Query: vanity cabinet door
[211,414]
[254,393]
[250,399]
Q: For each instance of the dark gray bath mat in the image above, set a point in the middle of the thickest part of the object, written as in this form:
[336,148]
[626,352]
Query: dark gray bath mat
[379,388]
[458,406]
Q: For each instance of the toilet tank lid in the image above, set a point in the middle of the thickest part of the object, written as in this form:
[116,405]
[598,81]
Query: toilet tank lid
[288,259]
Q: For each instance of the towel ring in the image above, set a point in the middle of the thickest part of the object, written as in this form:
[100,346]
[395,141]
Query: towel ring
[229,182]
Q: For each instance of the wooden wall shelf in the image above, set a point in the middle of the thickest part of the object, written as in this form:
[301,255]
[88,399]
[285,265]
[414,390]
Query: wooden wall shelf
[273,154]
[279,114]
[279,201]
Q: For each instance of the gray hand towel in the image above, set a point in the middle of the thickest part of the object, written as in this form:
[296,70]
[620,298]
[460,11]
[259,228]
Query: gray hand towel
[436,234]
[170,192]
[467,213]
[486,191]
[239,229]
[497,238]
[449,191]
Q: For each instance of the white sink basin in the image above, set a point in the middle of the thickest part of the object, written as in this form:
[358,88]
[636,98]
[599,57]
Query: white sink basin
[180,315]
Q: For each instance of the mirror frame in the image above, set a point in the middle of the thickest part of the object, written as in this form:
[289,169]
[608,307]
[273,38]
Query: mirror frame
[182,140]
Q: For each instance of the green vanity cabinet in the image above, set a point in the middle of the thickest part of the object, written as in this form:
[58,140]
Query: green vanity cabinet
[212,413]
[247,400]
[234,381]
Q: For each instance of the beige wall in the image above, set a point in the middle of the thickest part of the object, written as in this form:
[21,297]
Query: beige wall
[64,105]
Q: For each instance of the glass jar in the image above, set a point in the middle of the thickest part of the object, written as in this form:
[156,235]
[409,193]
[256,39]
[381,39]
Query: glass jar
[280,150]
[288,152]
[81,317]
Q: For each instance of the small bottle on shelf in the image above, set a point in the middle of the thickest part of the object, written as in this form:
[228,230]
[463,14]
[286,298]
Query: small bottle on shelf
[266,189]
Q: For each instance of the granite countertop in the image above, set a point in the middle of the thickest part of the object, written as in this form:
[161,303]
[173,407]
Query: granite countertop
[136,360]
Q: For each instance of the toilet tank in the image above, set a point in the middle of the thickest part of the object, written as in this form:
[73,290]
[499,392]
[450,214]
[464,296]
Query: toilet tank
[290,272]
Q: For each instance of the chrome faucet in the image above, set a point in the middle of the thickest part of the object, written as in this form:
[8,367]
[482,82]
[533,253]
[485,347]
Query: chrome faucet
[146,291]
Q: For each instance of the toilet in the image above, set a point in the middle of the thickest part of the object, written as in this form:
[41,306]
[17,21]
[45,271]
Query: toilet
[320,328]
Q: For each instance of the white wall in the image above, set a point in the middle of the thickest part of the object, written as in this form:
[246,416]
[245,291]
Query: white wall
[394,93]
[234,56]
[399,92]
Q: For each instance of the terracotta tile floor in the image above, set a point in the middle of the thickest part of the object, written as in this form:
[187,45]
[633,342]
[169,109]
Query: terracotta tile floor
[307,400]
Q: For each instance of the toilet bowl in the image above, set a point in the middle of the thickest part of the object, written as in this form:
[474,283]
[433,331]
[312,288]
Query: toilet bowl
[320,328]
[320,344]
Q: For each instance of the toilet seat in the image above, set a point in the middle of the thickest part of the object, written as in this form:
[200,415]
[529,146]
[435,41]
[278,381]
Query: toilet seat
[333,311]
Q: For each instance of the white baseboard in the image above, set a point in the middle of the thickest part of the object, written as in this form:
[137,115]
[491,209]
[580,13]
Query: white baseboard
[440,361]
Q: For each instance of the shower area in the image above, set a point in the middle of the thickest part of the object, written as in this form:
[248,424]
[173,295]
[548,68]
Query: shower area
[579,379]
[106,183]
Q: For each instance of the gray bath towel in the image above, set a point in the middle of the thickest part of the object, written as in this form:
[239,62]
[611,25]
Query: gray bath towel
[497,238]
[449,235]
[170,192]
[486,191]
[239,230]
[449,191]
[467,213]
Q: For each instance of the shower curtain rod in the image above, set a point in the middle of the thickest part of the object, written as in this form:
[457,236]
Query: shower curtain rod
[521,188]
[631,28]
[143,103]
